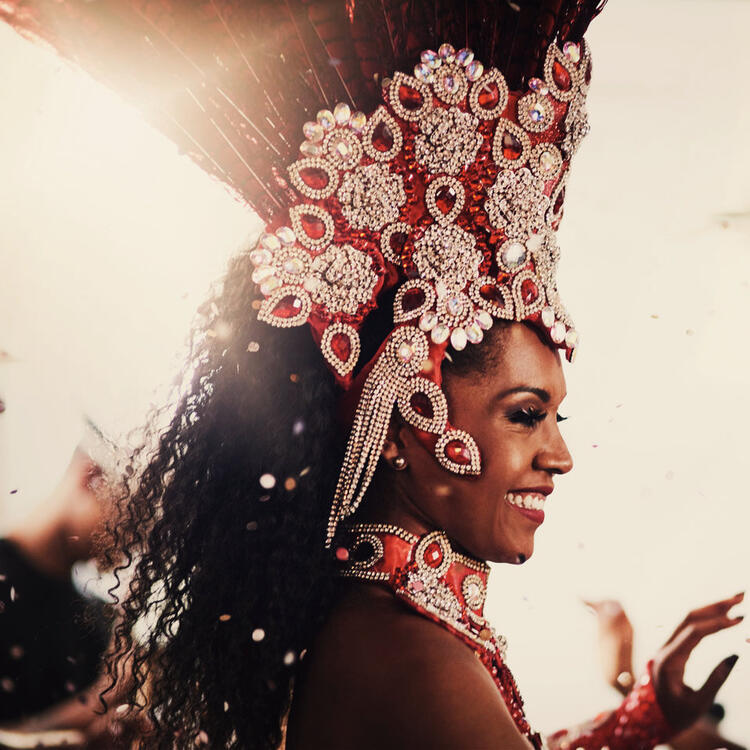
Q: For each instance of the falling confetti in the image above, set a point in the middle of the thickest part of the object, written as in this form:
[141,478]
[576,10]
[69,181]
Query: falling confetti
[258,635]
[225,618]
[298,427]
[267,481]
[294,377]
[289,658]
[290,483]
[253,346]
[305,471]
[252,526]
[264,498]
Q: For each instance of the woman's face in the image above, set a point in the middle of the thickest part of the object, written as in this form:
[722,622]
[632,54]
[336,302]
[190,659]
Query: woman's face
[511,410]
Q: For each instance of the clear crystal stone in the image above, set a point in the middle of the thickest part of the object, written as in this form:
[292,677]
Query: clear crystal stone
[440,333]
[405,351]
[311,284]
[313,131]
[447,52]
[261,257]
[294,265]
[262,273]
[535,242]
[548,316]
[428,321]
[474,333]
[513,254]
[270,285]
[343,149]
[474,70]
[458,339]
[557,332]
[341,113]
[308,148]
[536,113]
[450,84]
[326,119]
[270,241]
[423,72]
[547,161]
[286,235]
[571,338]
[572,51]
[358,121]
[454,306]
[464,56]
[430,57]
[538,85]
[484,320]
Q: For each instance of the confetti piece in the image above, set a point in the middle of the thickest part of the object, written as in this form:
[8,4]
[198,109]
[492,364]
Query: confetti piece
[252,526]
[655,317]
[256,304]
[305,471]
[290,483]
[294,377]
[258,635]
[264,498]
[253,346]
[690,332]
[267,481]
[225,618]
[289,658]
[298,427]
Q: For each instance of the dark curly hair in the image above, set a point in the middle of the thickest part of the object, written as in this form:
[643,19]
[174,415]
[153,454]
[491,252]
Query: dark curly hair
[222,530]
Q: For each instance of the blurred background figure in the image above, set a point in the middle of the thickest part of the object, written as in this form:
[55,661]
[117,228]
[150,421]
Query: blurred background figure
[53,632]
[615,636]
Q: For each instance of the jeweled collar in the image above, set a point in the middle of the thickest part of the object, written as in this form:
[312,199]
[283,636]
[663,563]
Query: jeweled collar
[427,572]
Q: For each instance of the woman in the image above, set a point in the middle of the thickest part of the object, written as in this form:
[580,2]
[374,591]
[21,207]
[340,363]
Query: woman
[416,238]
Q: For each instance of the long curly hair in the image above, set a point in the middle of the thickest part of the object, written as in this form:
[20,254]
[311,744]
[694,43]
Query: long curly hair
[220,531]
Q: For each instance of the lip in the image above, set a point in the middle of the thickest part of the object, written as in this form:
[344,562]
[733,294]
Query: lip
[532,514]
[537,516]
[547,490]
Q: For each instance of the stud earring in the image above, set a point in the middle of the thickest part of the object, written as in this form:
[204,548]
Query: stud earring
[399,463]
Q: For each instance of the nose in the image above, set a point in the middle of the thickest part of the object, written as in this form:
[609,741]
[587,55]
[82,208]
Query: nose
[554,456]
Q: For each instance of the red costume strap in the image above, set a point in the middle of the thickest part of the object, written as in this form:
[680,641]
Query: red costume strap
[450,589]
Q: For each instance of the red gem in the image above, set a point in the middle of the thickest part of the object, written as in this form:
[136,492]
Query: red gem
[288,307]
[410,98]
[512,146]
[422,405]
[342,553]
[412,299]
[314,177]
[529,291]
[341,346]
[492,294]
[398,240]
[457,452]
[433,555]
[382,137]
[445,198]
[561,76]
[489,95]
[313,227]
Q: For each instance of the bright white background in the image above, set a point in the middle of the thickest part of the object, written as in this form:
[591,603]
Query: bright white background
[109,240]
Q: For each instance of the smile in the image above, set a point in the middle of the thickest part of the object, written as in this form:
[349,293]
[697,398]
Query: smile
[529,501]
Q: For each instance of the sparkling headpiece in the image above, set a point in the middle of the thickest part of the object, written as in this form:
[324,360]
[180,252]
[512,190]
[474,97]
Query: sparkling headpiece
[450,191]
[446,196]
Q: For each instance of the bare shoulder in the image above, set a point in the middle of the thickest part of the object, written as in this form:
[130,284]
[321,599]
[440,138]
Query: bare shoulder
[382,675]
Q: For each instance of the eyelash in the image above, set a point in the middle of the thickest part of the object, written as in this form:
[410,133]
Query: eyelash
[531,417]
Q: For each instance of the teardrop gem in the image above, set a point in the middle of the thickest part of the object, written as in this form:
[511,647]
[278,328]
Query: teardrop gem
[286,235]
[561,76]
[474,333]
[447,52]
[572,51]
[433,555]
[423,72]
[412,299]
[474,70]
[464,56]
[422,405]
[458,339]
[428,321]
[313,227]
[529,291]
[358,121]
[382,137]
[314,177]
[457,451]
[341,113]
[311,149]
[489,95]
[410,98]
[270,241]
[445,198]
[341,346]
[512,146]
[288,307]
[430,57]
[326,119]
[313,131]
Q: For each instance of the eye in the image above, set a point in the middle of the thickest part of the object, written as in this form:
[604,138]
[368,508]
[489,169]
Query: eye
[561,418]
[529,417]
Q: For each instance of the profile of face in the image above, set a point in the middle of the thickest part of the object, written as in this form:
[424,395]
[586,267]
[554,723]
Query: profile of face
[510,407]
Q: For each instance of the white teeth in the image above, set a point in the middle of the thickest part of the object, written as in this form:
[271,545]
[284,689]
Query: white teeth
[532,502]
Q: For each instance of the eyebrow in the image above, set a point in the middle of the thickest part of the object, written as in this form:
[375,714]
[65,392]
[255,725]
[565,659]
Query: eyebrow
[542,394]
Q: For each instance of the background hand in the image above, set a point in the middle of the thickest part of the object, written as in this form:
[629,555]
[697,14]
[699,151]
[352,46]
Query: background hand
[682,705]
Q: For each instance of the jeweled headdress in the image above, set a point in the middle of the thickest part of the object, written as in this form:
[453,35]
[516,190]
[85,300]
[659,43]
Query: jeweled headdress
[441,182]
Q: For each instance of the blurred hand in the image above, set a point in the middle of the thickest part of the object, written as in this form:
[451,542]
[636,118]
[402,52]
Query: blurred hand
[682,705]
[615,643]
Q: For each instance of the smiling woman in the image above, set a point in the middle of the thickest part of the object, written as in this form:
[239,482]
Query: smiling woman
[310,535]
